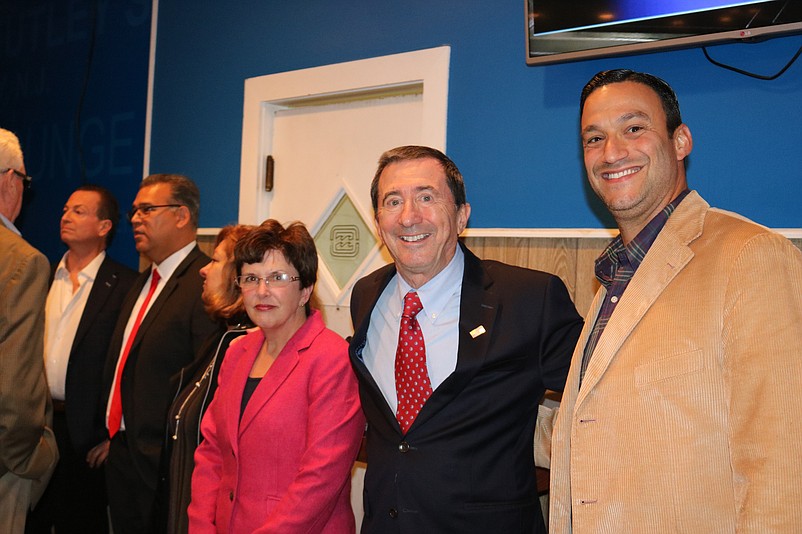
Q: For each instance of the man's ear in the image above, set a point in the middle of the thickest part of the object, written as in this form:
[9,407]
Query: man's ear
[683,142]
[463,214]
[183,216]
[104,228]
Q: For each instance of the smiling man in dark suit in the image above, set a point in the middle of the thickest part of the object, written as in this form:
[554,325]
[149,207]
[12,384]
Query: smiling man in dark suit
[161,326]
[83,304]
[451,423]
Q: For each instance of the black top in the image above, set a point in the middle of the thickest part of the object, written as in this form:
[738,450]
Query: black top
[247,393]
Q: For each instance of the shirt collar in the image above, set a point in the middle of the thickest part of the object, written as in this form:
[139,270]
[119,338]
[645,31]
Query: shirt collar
[436,293]
[10,225]
[616,253]
[87,273]
[168,266]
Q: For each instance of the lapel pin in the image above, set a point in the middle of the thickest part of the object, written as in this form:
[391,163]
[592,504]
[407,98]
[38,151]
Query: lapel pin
[478,331]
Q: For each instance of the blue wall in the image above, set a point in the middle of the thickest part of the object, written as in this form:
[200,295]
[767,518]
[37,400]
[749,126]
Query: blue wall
[45,47]
[512,129]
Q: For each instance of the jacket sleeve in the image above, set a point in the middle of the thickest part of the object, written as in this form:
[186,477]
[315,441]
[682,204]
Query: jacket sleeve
[561,326]
[762,334]
[335,428]
[544,428]
[27,446]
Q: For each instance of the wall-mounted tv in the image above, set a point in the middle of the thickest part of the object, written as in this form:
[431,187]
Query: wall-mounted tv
[568,30]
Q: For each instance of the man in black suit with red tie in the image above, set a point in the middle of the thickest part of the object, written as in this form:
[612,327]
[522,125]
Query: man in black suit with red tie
[86,293]
[161,326]
[451,422]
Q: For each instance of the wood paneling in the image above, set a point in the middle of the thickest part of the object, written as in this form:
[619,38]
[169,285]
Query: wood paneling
[569,258]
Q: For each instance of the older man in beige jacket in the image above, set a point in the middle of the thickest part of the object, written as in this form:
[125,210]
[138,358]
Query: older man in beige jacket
[679,414]
[28,451]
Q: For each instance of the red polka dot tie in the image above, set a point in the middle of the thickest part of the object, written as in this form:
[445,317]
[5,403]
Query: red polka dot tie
[412,383]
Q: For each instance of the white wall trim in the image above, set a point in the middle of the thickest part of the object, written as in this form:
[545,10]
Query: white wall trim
[154,23]
[554,233]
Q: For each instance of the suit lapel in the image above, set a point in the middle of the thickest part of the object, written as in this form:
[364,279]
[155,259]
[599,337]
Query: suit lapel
[243,354]
[103,286]
[373,290]
[666,258]
[169,287]
[275,377]
[283,366]
[478,309]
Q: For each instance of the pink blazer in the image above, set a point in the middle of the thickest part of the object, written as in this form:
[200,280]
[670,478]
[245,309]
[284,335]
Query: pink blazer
[286,466]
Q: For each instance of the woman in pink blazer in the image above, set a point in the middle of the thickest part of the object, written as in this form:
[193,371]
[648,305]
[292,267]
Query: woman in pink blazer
[284,428]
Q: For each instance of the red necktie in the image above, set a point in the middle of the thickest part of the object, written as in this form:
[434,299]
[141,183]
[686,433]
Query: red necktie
[412,384]
[116,408]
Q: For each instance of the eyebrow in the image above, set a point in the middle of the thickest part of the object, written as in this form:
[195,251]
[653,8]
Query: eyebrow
[418,189]
[626,117]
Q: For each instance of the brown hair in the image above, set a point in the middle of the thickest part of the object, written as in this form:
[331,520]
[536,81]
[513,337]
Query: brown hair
[293,241]
[412,152]
[228,303]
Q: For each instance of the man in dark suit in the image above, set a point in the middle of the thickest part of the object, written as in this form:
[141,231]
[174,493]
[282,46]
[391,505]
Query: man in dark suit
[83,304]
[28,450]
[161,326]
[453,453]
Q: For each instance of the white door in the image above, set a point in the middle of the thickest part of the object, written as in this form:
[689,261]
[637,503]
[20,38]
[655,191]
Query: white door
[325,129]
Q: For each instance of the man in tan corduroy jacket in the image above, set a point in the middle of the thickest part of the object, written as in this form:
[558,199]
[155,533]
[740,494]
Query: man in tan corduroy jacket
[680,410]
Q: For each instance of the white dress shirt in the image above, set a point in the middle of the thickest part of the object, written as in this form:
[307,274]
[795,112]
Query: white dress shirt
[63,312]
[439,323]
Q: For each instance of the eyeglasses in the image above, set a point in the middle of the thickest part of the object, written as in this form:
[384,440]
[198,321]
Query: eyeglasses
[250,282]
[147,209]
[26,180]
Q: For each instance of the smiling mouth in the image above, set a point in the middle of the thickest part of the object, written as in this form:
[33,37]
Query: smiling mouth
[620,174]
[413,238]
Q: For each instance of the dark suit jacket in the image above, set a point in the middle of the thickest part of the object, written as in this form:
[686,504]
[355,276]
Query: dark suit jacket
[168,339]
[84,393]
[466,464]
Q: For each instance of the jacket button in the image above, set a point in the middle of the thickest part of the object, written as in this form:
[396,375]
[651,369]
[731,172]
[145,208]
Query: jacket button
[403,447]
[231,496]
[393,513]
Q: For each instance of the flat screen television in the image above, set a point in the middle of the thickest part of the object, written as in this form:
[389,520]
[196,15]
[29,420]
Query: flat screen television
[568,30]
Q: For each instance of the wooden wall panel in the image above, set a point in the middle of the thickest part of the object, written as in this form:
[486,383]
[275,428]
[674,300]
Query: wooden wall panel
[571,259]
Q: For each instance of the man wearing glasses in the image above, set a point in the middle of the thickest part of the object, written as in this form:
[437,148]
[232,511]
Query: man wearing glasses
[161,326]
[28,450]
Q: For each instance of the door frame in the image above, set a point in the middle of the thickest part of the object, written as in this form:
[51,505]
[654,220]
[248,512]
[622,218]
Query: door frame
[264,95]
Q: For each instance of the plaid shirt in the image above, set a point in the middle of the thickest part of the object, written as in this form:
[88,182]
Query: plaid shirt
[615,268]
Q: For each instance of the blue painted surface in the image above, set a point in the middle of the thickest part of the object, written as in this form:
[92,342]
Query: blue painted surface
[44,49]
[512,129]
